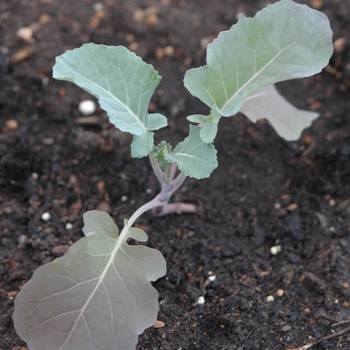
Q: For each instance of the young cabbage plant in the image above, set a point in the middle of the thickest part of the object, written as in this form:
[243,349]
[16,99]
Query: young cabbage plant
[99,294]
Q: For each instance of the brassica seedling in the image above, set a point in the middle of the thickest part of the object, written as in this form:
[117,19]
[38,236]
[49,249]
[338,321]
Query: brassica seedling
[99,294]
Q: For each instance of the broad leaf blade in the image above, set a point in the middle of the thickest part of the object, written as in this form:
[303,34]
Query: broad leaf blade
[287,120]
[97,296]
[209,131]
[141,145]
[194,157]
[121,81]
[156,121]
[283,41]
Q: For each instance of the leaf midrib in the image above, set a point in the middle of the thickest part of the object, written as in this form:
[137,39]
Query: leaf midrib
[257,73]
[108,92]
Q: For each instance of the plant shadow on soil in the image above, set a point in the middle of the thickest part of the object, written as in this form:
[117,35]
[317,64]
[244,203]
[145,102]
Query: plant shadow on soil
[266,192]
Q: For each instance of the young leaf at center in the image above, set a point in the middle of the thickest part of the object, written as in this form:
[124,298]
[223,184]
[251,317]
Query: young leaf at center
[194,157]
[97,296]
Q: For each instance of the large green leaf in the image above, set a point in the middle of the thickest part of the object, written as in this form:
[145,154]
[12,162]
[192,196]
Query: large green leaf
[283,41]
[193,157]
[121,81]
[97,296]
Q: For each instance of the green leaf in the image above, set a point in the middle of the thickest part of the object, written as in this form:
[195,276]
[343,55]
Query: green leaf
[156,121]
[160,152]
[283,41]
[198,118]
[210,128]
[142,144]
[209,131]
[210,124]
[194,157]
[121,81]
[287,120]
[97,296]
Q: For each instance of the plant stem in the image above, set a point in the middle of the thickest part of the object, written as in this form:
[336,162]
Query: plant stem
[169,184]
[156,168]
[155,202]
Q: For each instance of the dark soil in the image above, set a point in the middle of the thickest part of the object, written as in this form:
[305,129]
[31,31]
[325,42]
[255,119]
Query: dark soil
[266,192]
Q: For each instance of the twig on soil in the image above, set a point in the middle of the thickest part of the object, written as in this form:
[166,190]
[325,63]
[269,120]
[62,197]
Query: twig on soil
[331,319]
[316,341]
[246,338]
[341,322]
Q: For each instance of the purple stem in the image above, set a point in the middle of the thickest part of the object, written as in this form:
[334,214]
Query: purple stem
[169,184]
[175,208]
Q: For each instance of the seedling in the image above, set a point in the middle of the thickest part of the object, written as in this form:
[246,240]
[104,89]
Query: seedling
[99,294]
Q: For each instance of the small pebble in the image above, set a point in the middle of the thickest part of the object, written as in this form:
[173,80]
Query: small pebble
[201,300]
[277,206]
[151,19]
[169,50]
[139,15]
[12,294]
[44,19]
[317,4]
[212,278]
[240,15]
[205,41]
[159,324]
[87,107]
[99,6]
[69,226]
[22,54]
[346,304]
[280,292]
[339,44]
[59,249]
[11,124]
[46,216]
[25,34]
[270,298]
[22,240]
[292,206]
[48,141]
[286,328]
[130,37]
[133,46]
[275,250]
[8,210]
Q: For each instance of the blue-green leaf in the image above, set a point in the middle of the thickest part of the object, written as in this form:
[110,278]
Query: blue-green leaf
[121,81]
[156,121]
[194,157]
[285,40]
[141,145]
[198,118]
[287,120]
[97,296]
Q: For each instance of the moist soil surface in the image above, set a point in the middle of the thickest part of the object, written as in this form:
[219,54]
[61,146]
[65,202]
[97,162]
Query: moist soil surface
[266,192]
